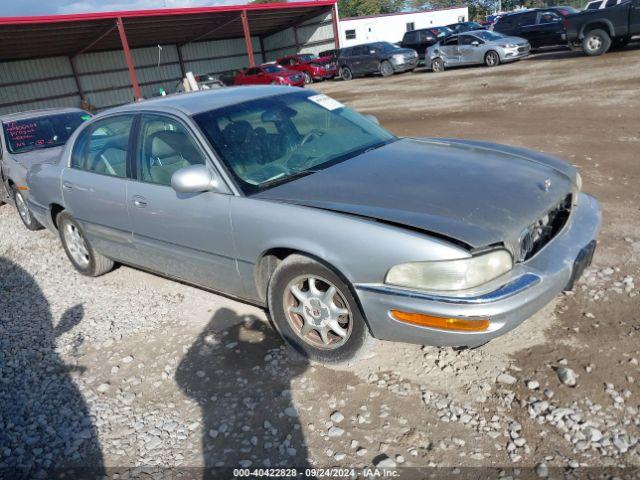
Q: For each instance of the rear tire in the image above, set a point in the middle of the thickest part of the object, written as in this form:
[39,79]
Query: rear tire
[596,42]
[437,65]
[346,74]
[386,69]
[492,59]
[81,254]
[301,317]
[24,213]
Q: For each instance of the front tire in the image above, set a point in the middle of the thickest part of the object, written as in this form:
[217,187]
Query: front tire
[315,312]
[596,42]
[24,213]
[346,73]
[437,65]
[79,251]
[307,78]
[386,69]
[492,59]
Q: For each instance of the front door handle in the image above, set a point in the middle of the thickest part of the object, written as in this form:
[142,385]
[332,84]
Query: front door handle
[67,186]
[139,201]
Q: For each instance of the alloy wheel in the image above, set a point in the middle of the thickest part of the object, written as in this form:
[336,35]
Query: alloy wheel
[318,312]
[492,59]
[594,43]
[76,245]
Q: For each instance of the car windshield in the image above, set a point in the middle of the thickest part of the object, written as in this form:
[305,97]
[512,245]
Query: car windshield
[441,31]
[306,57]
[489,35]
[42,132]
[273,68]
[272,140]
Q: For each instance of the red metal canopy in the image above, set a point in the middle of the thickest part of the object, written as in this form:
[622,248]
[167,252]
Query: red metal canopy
[70,35]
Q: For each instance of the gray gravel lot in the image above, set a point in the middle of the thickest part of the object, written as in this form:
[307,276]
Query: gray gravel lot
[131,370]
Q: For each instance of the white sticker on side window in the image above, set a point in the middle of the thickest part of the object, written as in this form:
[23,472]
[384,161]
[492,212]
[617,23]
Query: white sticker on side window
[326,102]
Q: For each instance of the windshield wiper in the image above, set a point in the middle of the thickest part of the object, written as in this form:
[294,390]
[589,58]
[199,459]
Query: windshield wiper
[289,178]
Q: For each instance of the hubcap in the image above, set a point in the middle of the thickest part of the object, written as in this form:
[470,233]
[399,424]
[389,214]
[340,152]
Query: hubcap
[318,312]
[23,210]
[76,245]
[491,59]
[594,43]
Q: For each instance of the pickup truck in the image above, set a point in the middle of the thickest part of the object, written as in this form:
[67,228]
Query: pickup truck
[596,31]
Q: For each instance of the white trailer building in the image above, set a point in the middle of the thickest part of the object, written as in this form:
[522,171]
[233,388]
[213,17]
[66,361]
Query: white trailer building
[391,27]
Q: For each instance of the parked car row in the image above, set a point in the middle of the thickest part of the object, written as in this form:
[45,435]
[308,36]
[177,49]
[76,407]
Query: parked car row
[509,37]
[211,188]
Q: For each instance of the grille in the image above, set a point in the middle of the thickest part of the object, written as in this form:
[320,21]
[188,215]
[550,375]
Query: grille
[522,49]
[536,236]
[296,78]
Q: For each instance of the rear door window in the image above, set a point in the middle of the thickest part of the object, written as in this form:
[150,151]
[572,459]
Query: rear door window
[527,19]
[102,148]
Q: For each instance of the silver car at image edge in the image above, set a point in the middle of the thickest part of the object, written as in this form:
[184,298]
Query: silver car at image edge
[289,200]
[476,47]
[27,139]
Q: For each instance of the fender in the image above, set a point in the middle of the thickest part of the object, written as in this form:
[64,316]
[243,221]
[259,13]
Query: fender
[605,22]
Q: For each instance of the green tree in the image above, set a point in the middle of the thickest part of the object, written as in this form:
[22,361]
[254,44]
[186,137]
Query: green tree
[356,8]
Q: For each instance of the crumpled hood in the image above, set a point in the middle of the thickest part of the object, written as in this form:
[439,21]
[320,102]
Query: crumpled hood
[477,193]
[37,157]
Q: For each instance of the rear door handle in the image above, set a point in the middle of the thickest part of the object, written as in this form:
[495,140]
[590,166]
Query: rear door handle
[139,201]
[67,185]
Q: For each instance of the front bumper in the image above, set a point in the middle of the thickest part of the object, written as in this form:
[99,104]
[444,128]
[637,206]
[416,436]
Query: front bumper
[404,65]
[516,53]
[528,287]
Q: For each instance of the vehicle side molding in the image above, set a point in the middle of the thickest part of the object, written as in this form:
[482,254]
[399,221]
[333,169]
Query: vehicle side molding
[196,179]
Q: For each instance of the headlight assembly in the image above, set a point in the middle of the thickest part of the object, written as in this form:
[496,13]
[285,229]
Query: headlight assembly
[451,274]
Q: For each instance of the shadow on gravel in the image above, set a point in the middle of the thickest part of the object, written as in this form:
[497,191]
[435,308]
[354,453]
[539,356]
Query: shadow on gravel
[241,378]
[45,426]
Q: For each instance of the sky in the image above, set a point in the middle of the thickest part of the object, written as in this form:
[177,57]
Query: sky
[48,7]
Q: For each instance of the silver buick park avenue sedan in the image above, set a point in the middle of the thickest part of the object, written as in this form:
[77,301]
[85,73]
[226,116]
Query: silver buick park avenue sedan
[287,199]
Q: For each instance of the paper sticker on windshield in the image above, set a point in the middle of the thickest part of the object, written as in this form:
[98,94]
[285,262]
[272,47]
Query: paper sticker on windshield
[326,102]
[86,117]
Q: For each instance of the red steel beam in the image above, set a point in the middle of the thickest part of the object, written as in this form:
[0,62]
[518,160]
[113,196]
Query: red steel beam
[247,37]
[129,59]
[336,30]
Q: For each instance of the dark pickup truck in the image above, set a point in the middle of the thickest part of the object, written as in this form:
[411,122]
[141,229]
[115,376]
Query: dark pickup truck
[596,31]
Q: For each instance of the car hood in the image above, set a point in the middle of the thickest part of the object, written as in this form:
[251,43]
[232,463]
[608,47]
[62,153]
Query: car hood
[476,193]
[515,40]
[36,157]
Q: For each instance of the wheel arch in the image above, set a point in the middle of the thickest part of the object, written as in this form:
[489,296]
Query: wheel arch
[603,24]
[55,210]
[269,260]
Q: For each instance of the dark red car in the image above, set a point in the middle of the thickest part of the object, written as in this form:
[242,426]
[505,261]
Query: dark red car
[312,67]
[269,74]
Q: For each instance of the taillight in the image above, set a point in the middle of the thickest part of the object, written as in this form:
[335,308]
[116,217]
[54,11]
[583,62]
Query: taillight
[565,24]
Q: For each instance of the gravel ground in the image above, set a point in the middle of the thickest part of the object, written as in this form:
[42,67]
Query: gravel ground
[132,370]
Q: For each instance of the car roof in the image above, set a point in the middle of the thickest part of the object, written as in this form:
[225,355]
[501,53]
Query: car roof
[44,112]
[205,100]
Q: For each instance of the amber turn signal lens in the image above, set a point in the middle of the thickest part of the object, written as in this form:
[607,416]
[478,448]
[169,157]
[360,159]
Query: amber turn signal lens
[423,320]
[23,188]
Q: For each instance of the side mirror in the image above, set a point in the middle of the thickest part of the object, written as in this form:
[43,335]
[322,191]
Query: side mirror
[475,43]
[195,179]
[373,118]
